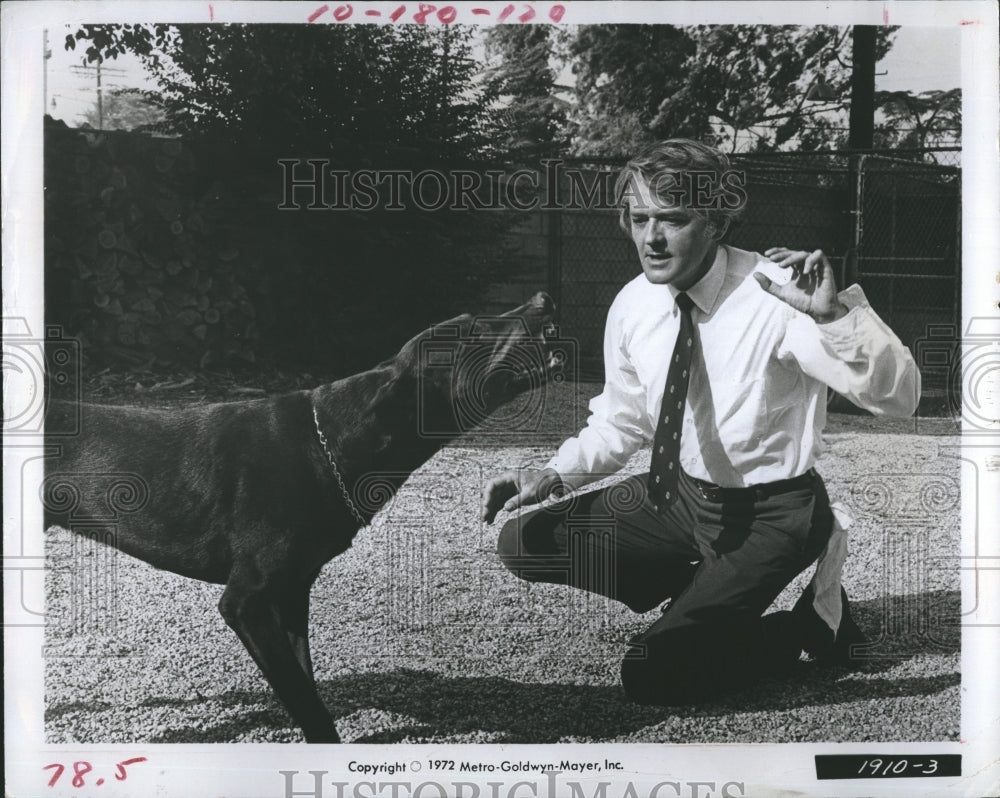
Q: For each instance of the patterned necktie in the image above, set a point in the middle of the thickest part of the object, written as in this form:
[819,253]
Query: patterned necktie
[665,463]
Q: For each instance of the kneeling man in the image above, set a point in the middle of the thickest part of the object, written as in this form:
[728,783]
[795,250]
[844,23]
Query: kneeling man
[722,359]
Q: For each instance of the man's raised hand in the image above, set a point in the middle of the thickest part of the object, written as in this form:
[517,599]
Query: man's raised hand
[514,489]
[812,289]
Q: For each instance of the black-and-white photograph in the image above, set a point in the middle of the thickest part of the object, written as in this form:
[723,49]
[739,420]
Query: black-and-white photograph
[535,375]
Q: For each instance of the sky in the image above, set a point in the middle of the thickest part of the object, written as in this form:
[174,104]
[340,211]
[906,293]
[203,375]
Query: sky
[922,59]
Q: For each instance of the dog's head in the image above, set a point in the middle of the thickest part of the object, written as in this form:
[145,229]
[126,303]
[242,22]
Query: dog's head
[465,368]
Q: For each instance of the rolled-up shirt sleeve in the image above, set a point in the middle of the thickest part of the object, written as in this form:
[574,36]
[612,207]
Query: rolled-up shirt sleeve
[618,424]
[858,356]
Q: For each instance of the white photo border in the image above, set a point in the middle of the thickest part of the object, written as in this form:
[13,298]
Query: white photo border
[193,771]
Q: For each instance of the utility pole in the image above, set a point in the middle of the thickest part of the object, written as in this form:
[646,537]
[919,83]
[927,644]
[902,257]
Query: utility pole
[98,71]
[46,55]
[860,136]
[100,98]
[861,131]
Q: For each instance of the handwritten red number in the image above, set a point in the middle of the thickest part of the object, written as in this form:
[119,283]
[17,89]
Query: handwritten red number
[447,14]
[343,12]
[318,13]
[395,15]
[121,774]
[59,771]
[80,769]
[556,13]
[421,16]
[529,14]
[507,11]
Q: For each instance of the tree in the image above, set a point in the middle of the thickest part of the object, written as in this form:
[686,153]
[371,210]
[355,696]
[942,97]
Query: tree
[372,89]
[918,121]
[739,86]
[533,116]
[362,97]
[623,72]
[127,109]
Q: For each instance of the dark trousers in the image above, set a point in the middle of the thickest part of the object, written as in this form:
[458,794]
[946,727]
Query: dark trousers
[720,562]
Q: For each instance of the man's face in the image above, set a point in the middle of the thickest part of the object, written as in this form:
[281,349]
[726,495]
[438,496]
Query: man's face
[675,246]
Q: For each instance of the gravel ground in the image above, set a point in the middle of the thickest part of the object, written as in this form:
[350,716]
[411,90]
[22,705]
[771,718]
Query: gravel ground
[419,635]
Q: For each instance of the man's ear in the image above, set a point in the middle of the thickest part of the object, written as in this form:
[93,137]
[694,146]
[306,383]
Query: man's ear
[718,229]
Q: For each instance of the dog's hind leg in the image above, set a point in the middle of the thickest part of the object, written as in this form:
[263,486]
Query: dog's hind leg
[250,606]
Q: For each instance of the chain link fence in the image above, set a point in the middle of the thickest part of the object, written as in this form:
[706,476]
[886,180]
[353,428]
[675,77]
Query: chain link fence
[909,242]
[889,221]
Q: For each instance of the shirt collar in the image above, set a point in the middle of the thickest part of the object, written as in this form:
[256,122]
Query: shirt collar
[705,292]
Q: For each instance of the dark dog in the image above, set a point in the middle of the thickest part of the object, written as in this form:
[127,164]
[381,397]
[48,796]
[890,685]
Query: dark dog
[259,495]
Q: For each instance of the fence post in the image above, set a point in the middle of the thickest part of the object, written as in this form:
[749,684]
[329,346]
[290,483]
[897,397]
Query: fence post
[554,259]
[856,164]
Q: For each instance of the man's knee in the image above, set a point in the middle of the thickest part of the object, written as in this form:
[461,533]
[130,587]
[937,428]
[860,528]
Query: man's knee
[648,678]
[509,544]
[667,668]
[528,548]
[692,664]
[516,552]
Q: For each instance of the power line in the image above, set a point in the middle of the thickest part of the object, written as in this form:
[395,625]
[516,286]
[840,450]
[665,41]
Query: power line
[67,98]
[96,70]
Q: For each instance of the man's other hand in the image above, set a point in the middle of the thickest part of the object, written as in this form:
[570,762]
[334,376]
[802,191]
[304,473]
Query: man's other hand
[812,289]
[515,489]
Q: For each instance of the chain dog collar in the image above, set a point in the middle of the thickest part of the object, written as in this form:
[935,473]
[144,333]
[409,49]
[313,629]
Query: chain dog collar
[336,472]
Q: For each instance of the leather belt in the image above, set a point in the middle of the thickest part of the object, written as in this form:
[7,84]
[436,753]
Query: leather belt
[715,493]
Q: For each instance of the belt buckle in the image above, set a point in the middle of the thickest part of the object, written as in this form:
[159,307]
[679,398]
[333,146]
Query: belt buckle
[708,492]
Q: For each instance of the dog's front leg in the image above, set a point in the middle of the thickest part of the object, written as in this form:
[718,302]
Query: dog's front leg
[253,613]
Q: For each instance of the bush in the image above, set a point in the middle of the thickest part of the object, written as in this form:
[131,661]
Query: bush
[133,266]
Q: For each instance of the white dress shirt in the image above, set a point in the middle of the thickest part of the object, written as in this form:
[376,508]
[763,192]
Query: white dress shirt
[756,402]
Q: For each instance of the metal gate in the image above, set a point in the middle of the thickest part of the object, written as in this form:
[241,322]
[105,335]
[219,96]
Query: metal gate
[909,244]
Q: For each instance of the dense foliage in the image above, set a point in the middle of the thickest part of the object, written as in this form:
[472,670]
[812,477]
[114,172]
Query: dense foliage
[175,249]
[136,263]
[916,121]
[740,86]
[326,285]
[524,79]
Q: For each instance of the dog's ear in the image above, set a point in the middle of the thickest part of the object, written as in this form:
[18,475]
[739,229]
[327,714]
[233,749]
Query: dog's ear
[380,443]
[396,398]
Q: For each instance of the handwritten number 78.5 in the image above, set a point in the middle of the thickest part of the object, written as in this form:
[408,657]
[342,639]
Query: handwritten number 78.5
[81,769]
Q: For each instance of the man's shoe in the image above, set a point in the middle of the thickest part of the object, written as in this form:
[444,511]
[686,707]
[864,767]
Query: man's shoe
[781,643]
[818,640]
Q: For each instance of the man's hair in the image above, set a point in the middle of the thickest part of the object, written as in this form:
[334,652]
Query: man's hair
[667,168]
